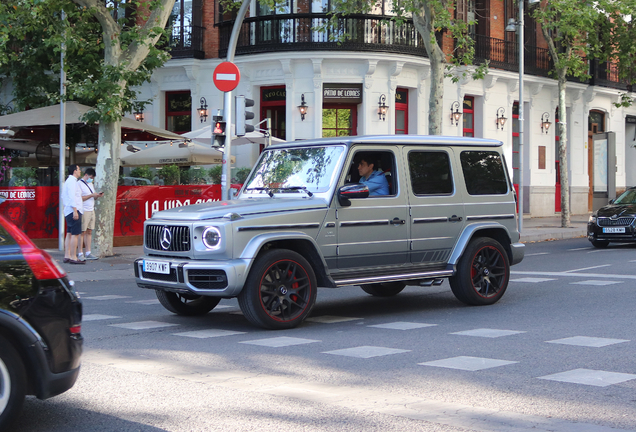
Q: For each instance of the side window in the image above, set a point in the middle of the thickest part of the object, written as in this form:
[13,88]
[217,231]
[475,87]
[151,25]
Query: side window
[430,173]
[484,173]
[376,169]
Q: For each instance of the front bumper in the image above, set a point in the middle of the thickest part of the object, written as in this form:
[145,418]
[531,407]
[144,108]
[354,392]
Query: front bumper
[209,278]
[595,232]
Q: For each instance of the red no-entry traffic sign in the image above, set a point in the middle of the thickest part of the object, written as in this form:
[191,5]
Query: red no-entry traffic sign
[226,76]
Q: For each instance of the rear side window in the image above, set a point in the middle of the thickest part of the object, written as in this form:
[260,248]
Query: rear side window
[430,173]
[484,173]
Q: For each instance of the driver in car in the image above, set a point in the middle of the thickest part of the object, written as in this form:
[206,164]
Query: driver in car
[374,180]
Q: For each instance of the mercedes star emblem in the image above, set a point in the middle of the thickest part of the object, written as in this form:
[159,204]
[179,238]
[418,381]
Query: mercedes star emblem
[166,238]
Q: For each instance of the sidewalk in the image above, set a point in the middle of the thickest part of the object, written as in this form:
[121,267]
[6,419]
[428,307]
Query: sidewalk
[119,266]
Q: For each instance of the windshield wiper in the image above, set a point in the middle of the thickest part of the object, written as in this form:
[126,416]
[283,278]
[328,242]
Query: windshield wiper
[297,188]
[267,190]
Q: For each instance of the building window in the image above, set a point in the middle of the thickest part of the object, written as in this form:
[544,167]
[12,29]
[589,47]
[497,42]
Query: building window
[339,120]
[273,106]
[469,116]
[178,111]
[401,111]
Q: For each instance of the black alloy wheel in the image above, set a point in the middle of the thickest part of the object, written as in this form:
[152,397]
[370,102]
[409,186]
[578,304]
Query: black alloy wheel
[187,304]
[13,383]
[280,290]
[482,274]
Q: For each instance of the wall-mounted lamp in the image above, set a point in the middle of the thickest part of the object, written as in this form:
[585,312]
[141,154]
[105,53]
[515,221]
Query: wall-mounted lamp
[456,114]
[382,108]
[203,110]
[139,114]
[501,119]
[302,107]
[545,122]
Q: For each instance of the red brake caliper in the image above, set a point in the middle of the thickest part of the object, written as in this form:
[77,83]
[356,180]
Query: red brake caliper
[294,297]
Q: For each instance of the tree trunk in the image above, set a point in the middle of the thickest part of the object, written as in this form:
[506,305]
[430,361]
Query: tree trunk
[424,25]
[563,151]
[106,179]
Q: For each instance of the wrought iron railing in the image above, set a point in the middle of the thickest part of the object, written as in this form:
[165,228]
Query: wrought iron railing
[299,32]
[186,42]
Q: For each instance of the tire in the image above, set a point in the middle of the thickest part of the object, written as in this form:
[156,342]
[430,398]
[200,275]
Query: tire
[388,289]
[600,244]
[482,274]
[13,384]
[187,304]
[280,290]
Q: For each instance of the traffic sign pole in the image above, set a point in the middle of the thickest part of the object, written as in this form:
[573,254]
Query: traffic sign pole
[227,103]
[226,174]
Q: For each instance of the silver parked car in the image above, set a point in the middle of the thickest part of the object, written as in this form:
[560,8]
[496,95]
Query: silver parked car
[381,212]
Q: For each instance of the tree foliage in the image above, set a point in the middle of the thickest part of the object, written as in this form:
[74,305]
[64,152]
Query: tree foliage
[434,21]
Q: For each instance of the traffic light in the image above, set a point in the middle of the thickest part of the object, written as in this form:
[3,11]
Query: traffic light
[219,131]
[242,115]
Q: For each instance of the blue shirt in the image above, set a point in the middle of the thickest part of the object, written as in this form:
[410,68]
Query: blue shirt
[377,183]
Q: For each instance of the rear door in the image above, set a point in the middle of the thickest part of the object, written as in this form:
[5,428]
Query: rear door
[436,208]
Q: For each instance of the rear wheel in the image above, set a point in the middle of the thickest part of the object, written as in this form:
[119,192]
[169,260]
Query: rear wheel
[387,289]
[280,290]
[12,384]
[601,244]
[187,304]
[482,274]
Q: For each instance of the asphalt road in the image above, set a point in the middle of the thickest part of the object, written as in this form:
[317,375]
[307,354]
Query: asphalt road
[555,354]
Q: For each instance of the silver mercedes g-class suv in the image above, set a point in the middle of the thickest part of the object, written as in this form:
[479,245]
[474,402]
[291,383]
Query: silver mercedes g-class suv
[381,212]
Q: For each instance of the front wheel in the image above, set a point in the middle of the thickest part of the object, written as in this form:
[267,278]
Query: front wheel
[482,274]
[187,304]
[387,289]
[280,290]
[12,384]
[600,244]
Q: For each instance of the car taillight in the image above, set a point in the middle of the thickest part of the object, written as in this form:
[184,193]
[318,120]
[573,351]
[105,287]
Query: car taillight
[42,265]
[76,329]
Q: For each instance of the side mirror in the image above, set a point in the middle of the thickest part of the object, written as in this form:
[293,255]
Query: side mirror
[354,190]
[611,201]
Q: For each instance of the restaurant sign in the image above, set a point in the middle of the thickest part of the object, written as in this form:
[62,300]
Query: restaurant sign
[342,93]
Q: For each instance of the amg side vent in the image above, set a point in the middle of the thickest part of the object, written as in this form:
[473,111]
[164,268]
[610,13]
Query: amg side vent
[168,238]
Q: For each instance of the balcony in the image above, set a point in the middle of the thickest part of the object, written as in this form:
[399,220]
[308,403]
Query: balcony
[187,42]
[295,32]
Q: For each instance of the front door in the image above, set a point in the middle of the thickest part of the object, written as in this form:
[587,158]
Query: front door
[373,231]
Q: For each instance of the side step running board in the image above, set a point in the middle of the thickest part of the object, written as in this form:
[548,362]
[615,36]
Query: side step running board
[433,276]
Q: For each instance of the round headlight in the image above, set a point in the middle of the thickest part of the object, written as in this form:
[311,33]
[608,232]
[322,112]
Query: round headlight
[212,237]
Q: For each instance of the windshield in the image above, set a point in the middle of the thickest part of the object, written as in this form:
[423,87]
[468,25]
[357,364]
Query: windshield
[627,197]
[296,170]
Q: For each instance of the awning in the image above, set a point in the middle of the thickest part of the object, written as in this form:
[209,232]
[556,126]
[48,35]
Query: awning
[183,154]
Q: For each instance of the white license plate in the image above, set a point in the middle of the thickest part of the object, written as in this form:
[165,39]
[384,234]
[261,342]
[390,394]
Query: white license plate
[614,230]
[156,267]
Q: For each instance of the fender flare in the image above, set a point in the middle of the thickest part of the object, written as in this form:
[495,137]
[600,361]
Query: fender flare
[469,232]
[255,245]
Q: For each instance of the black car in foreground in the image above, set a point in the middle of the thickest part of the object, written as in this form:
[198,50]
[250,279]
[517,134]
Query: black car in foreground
[614,222]
[40,324]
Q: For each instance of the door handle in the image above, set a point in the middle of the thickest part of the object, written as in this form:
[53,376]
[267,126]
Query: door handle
[398,221]
[455,218]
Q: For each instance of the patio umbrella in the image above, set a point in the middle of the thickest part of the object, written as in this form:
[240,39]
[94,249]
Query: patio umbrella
[183,154]
[204,135]
[50,116]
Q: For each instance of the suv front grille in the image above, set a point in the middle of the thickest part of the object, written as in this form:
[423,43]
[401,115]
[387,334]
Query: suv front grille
[180,238]
[624,221]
